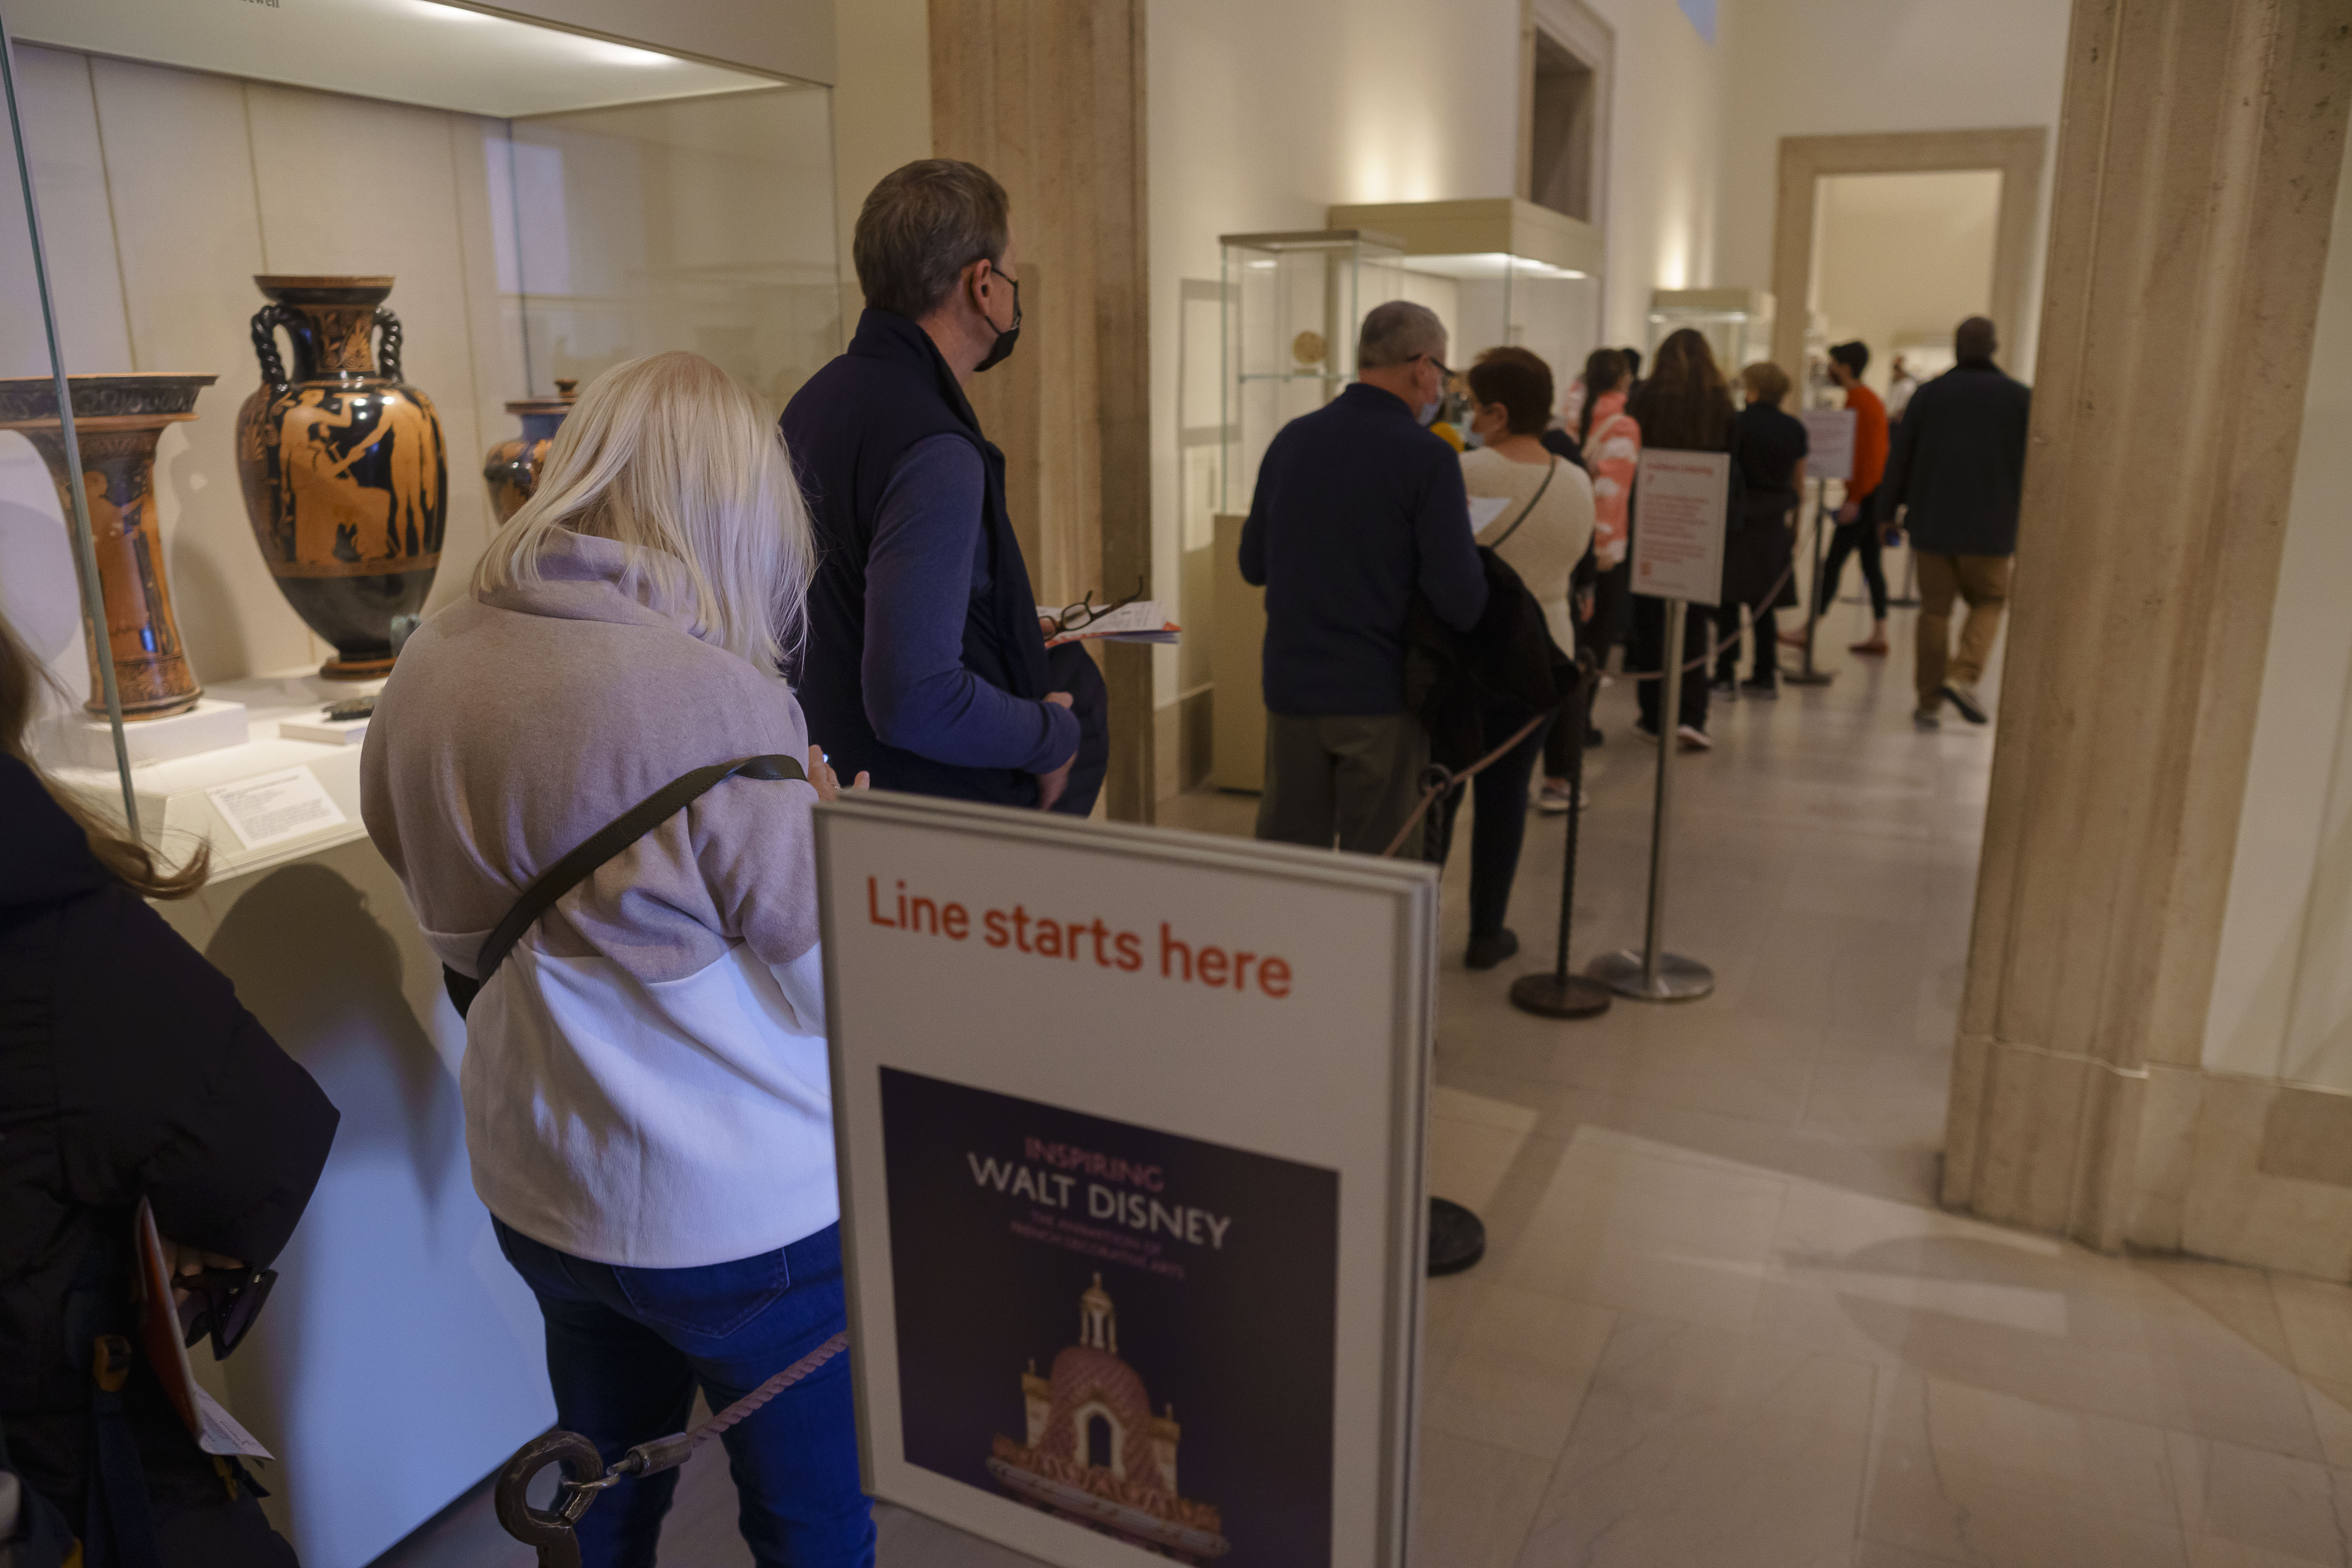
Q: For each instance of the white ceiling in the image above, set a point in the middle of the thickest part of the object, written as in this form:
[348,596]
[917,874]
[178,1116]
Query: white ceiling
[410,51]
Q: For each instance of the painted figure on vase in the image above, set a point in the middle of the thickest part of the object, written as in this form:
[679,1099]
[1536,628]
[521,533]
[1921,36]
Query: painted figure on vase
[345,473]
[118,419]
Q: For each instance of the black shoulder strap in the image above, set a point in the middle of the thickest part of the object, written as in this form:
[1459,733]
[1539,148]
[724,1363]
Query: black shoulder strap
[1532,500]
[603,844]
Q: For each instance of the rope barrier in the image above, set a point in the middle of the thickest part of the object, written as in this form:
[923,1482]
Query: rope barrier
[1444,780]
[1714,645]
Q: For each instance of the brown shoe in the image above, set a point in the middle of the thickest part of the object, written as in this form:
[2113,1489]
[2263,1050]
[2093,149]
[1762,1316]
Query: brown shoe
[1873,645]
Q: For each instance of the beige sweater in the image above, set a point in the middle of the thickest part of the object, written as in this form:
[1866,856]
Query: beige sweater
[1546,548]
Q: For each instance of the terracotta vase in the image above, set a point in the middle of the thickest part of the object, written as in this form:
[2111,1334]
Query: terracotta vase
[511,467]
[346,476]
[117,421]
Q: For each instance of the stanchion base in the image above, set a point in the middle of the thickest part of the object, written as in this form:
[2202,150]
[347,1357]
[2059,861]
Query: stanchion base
[1457,1239]
[1807,676]
[1550,996]
[1680,979]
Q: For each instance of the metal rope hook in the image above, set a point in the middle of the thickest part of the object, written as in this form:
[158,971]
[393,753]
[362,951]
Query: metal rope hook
[585,1473]
[551,1530]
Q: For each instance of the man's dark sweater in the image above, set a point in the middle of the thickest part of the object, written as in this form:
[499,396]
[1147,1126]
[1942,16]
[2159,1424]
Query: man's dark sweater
[1357,506]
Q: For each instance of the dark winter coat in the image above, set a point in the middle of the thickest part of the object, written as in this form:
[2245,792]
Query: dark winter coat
[1960,462]
[127,1069]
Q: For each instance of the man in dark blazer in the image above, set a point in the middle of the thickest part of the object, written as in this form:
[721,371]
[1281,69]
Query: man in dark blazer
[1958,468]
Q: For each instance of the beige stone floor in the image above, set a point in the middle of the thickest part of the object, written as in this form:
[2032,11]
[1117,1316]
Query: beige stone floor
[1721,1322]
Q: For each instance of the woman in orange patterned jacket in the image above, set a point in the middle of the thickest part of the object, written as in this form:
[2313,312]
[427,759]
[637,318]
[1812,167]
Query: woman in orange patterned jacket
[1611,446]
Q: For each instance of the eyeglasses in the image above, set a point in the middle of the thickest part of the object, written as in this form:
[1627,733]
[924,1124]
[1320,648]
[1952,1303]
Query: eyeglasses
[1086,611]
[222,1302]
[1444,375]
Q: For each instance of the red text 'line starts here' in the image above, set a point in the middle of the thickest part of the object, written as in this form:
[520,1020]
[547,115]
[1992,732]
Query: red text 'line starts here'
[1080,941]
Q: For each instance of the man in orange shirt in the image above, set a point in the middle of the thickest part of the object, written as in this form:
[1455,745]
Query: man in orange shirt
[1857,526]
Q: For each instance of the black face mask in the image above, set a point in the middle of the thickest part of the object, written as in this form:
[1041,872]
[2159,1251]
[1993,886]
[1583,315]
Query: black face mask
[999,351]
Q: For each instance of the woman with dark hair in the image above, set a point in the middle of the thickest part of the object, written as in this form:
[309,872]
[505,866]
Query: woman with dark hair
[1541,531]
[132,1074]
[1684,406]
[1759,552]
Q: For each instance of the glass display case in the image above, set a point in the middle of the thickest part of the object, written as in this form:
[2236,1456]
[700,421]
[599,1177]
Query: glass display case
[1736,322]
[309,271]
[1291,307]
[1499,299]
[1499,272]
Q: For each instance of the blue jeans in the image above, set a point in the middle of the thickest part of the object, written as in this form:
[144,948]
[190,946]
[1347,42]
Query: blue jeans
[626,1349]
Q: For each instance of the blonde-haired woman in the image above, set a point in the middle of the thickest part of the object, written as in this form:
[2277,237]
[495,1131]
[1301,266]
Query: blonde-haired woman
[647,1101]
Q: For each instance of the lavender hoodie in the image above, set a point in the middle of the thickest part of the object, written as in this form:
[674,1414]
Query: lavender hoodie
[646,1081]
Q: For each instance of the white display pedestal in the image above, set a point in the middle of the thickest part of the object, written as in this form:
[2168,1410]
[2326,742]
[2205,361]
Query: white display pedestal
[444,1366]
[174,809]
[211,725]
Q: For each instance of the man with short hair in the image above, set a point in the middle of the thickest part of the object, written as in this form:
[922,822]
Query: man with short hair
[924,663]
[1960,468]
[1357,509]
[1857,521]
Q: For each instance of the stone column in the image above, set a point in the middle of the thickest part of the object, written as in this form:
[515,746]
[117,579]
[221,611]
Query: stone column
[1047,95]
[2198,158]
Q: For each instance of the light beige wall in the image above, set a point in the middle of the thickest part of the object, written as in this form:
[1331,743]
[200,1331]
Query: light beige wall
[1818,68]
[881,111]
[1904,254]
[2281,1004]
[163,193]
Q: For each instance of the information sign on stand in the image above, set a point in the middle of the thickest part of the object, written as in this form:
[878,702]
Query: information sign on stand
[1679,535]
[1829,443]
[1130,1132]
[1684,501]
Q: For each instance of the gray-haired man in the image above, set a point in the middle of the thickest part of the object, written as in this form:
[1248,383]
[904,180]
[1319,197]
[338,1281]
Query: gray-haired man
[1357,507]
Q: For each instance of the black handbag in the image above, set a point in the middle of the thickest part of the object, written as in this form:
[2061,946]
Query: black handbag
[602,845]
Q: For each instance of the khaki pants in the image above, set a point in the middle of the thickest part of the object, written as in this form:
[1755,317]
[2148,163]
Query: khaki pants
[1982,581]
[1352,779]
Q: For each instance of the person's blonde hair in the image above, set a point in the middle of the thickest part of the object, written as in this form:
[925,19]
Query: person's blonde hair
[678,460]
[21,680]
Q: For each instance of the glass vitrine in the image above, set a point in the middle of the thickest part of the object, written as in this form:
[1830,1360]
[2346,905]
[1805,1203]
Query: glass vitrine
[1736,322]
[1291,307]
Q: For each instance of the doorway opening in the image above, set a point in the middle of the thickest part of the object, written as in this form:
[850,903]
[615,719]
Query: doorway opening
[1900,259]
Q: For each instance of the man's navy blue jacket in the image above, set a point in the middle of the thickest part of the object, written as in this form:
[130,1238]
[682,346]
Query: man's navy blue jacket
[1357,507]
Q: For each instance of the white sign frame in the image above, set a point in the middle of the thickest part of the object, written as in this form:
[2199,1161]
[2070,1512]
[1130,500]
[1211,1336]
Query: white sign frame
[1361,1035]
[1682,503]
[1829,442]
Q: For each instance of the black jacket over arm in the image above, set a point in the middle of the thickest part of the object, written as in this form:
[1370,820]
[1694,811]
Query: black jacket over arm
[127,1069]
[1959,462]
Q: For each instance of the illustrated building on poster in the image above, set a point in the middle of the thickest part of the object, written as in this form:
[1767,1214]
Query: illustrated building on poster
[1096,1456]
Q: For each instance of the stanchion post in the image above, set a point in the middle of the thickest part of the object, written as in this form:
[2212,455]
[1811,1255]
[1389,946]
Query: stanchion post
[1654,974]
[1810,675]
[1558,993]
